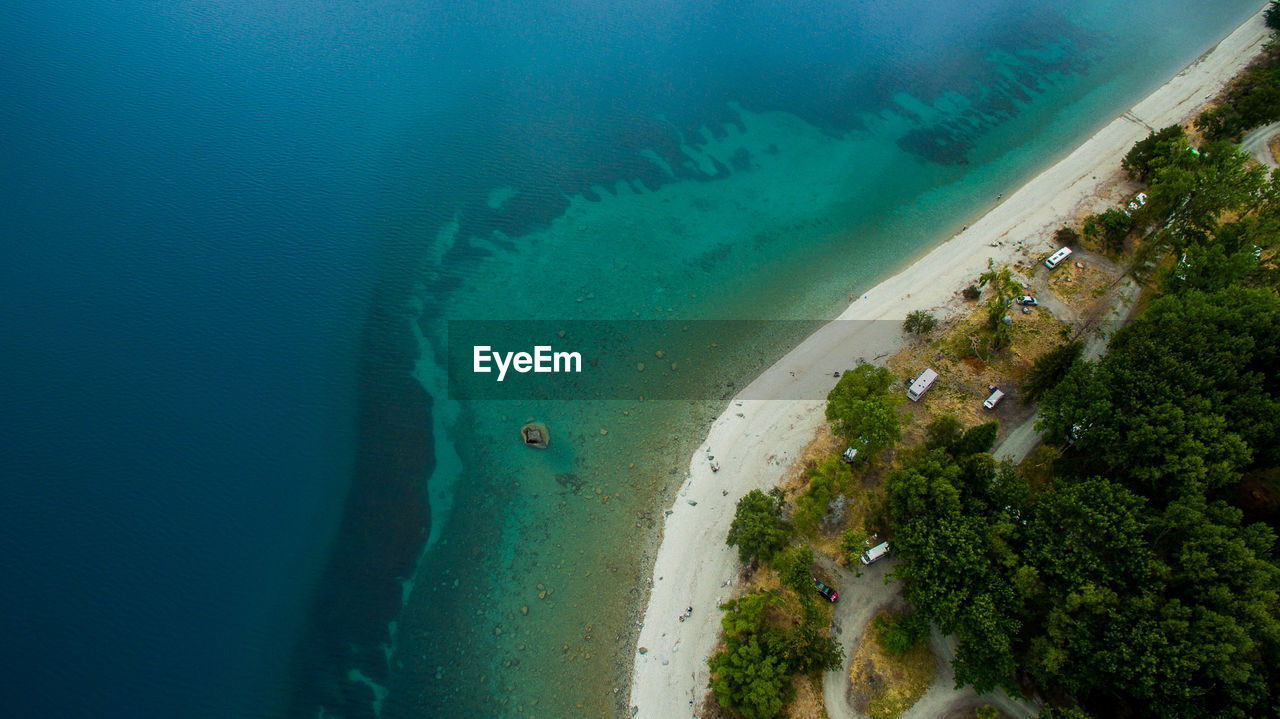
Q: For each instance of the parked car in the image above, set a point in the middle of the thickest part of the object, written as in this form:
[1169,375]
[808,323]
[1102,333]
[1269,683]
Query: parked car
[1028,301]
[828,593]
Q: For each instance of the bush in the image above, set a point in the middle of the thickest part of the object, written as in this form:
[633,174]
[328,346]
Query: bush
[1066,237]
[971,293]
[853,543]
[795,568]
[824,484]
[919,322]
[898,634]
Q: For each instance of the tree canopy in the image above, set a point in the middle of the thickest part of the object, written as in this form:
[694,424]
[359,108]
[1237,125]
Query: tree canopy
[862,409]
[752,673]
[1185,399]
[758,528]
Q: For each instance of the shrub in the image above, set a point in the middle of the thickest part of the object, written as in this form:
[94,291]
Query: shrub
[795,568]
[898,634]
[971,293]
[853,543]
[824,483]
[1066,237]
[919,322]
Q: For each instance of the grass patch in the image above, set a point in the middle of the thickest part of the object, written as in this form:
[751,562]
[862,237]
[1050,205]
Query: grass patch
[808,703]
[884,685]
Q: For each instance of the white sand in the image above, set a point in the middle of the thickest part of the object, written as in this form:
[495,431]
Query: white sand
[756,441]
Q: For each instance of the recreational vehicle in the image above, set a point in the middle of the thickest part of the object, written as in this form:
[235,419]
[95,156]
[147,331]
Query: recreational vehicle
[921,384]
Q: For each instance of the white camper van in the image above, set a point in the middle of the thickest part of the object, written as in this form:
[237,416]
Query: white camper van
[1057,257]
[994,399]
[875,553]
[922,383]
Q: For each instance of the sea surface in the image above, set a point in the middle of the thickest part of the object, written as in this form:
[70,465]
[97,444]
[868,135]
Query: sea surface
[232,233]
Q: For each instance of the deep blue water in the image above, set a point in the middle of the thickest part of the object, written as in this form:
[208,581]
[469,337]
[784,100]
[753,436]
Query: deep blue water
[212,217]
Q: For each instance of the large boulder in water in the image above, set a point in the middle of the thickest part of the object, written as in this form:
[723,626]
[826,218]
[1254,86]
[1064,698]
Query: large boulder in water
[535,434]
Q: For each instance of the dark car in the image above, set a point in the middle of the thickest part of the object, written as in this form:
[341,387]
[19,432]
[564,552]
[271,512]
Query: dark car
[1027,301]
[828,593]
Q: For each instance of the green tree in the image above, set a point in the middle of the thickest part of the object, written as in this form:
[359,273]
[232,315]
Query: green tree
[1138,162]
[977,439]
[1049,368]
[1251,100]
[853,542]
[825,479]
[1225,179]
[944,432]
[809,649]
[751,677]
[863,412]
[1111,227]
[919,322]
[758,528]
[1180,401]
[745,615]
[795,568]
[1003,286]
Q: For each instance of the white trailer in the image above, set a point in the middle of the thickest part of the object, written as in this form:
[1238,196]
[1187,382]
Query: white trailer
[922,383]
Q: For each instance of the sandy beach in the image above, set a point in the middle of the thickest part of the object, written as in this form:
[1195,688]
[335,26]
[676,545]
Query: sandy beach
[755,441]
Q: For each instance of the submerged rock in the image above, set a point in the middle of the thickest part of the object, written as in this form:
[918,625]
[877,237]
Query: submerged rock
[535,434]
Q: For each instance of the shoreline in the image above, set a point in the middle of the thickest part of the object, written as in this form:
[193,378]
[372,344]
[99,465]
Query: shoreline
[756,441]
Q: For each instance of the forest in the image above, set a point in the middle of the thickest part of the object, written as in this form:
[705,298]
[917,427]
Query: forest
[1138,575]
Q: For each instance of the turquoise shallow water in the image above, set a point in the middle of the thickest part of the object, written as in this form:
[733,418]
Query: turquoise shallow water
[784,217]
[234,234]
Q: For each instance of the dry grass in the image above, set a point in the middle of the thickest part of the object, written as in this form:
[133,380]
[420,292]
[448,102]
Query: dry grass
[963,380]
[808,702]
[824,444]
[883,685]
[1274,146]
[1077,283]
[826,540]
